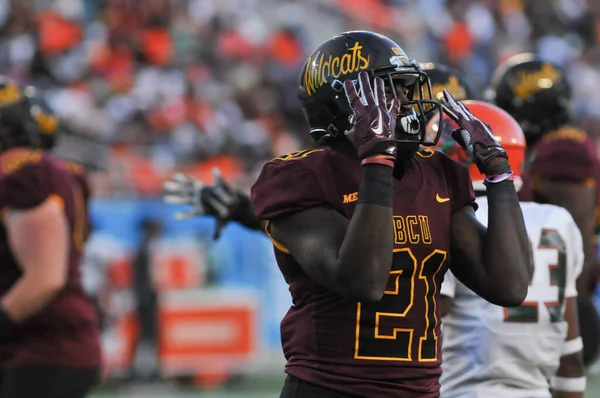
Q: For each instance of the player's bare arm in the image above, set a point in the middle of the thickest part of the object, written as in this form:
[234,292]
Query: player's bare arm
[492,261]
[39,239]
[353,257]
[219,200]
[446,304]
[570,380]
[579,199]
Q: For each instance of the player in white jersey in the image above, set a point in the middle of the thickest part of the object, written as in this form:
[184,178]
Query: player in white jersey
[530,351]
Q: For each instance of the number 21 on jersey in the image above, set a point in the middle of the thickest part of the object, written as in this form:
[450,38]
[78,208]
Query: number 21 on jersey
[528,312]
[387,330]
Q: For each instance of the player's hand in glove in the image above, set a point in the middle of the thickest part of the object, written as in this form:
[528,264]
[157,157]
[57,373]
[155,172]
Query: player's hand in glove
[373,131]
[218,200]
[478,139]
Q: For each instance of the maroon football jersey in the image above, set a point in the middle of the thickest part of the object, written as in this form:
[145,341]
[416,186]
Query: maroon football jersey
[385,349]
[80,174]
[65,332]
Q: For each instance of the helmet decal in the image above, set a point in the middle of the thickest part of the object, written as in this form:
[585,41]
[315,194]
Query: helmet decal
[323,66]
[526,83]
[535,92]
[9,94]
[453,85]
[48,123]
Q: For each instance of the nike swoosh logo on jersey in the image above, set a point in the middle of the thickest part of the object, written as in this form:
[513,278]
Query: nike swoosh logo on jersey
[440,199]
[379,129]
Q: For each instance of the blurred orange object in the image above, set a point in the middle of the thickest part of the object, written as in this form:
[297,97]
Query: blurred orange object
[285,49]
[373,12]
[178,266]
[459,41]
[118,355]
[230,167]
[56,34]
[157,45]
[119,274]
[207,331]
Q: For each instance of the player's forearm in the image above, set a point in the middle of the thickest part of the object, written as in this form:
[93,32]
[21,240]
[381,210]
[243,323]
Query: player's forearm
[365,257]
[567,394]
[570,380]
[587,280]
[506,250]
[244,214]
[28,296]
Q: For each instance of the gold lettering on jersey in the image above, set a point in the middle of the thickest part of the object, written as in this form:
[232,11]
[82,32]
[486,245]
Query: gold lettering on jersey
[565,134]
[453,85]
[297,155]
[426,153]
[322,67]
[351,197]
[413,229]
[425,231]
[413,237]
[529,83]
[14,164]
[399,230]
[74,168]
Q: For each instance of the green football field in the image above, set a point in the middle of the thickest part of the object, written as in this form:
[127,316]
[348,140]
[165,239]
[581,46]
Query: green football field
[252,387]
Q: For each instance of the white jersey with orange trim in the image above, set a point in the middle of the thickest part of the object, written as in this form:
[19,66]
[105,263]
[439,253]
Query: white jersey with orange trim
[495,352]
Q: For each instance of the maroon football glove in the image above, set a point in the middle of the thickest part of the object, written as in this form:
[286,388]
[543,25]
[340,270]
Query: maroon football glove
[373,131]
[477,138]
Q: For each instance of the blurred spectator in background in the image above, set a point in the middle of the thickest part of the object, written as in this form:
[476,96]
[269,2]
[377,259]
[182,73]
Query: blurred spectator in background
[196,84]
[145,362]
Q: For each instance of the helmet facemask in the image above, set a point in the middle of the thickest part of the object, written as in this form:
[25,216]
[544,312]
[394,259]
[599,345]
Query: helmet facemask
[404,86]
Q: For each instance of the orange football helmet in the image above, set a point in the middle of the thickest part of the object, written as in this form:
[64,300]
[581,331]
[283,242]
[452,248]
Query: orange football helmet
[506,131]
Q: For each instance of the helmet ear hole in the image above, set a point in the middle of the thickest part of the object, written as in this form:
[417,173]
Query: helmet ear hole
[333,109]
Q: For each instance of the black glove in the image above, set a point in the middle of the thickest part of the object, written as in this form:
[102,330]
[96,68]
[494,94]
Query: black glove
[477,138]
[219,200]
[374,124]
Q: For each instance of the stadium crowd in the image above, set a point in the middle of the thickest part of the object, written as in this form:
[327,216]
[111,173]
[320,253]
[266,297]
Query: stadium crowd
[193,84]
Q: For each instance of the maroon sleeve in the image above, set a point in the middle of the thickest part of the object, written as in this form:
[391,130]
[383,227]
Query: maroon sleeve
[285,187]
[26,188]
[459,183]
[567,155]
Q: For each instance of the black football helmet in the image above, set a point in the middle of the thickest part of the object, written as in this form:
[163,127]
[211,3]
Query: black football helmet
[60,139]
[47,120]
[534,92]
[445,77]
[18,128]
[321,88]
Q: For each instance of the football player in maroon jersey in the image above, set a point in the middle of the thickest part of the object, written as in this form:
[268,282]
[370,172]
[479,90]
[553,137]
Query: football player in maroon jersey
[365,319]
[49,336]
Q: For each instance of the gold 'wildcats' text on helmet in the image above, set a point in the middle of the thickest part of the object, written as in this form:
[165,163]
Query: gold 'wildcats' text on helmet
[321,88]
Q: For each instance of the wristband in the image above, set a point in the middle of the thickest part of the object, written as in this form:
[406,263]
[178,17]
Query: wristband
[569,384]
[379,159]
[376,186]
[498,178]
[6,323]
[572,346]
